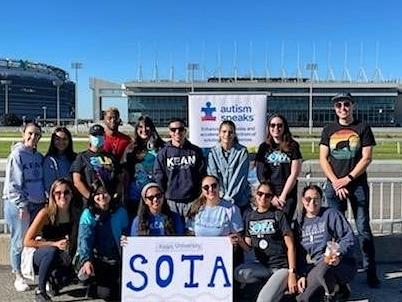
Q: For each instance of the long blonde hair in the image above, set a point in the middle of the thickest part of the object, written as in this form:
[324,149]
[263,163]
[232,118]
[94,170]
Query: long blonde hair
[52,208]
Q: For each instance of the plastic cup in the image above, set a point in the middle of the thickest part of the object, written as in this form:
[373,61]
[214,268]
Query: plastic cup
[331,250]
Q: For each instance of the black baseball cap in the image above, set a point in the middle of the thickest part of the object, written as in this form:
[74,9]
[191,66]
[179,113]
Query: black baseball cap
[96,130]
[342,97]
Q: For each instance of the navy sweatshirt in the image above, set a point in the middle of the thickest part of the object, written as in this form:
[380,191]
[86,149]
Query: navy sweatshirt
[179,171]
[312,235]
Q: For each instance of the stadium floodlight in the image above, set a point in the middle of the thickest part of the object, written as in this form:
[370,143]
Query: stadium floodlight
[76,66]
[312,67]
[57,83]
[192,67]
[6,83]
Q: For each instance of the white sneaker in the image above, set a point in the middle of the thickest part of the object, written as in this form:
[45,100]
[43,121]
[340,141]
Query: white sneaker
[20,284]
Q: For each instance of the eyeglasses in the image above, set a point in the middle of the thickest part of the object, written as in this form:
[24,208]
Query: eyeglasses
[345,104]
[273,125]
[152,197]
[315,200]
[212,186]
[180,129]
[263,194]
[59,193]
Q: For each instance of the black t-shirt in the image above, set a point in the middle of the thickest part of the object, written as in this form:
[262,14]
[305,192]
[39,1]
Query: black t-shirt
[97,166]
[274,165]
[345,145]
[266,231]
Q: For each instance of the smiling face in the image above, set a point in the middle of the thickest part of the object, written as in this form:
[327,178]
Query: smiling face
[62,194]
[143,131]
[102,199]
[31,136]
[61,141]
[344,109]
[177,132]
[226,134]
[154,200]
[210,190]
[263,198]
[311,202]
[276,128]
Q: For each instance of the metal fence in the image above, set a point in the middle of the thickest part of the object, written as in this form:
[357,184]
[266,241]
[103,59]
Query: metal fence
[385,203]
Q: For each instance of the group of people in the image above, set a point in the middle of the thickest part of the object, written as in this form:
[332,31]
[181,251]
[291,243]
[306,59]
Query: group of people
[75,210]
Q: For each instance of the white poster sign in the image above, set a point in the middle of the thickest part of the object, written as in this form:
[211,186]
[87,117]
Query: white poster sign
[195,269]
[248,112]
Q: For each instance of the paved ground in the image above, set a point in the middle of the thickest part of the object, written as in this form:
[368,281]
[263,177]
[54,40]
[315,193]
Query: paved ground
[390,291]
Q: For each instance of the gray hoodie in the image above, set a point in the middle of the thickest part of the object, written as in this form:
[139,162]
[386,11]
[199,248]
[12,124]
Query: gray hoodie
[24,177]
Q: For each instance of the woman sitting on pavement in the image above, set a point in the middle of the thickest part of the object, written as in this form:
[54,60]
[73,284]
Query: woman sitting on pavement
[315,227]
[154,215]
[267,232]
[54,225]
[98,249]
[211,216]
[229,162]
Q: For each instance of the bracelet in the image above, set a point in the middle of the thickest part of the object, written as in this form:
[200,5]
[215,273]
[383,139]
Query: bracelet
[351,177]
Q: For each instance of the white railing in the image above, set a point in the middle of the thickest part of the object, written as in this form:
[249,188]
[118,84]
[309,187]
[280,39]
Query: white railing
[385,203]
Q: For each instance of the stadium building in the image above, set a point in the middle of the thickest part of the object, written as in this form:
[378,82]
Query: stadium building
[378,103]
[33,90]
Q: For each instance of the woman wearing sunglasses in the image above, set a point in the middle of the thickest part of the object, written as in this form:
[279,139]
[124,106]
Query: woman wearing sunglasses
[325,237]
[279,161]
[210,215]
[154,216]
[267,232]
[54,225]
[229,162]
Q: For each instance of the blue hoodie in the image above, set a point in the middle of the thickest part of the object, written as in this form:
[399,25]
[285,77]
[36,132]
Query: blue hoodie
[179,171]
[231,172]
[24,177]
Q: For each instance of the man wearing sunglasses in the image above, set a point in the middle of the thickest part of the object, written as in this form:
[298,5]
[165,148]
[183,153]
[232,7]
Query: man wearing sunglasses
[179,169]
[345,153]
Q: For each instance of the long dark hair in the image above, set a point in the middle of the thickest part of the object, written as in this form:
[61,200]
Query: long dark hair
[144,214]
[155,140]
[230,124]
[287,140]
[199,203]
[69,152]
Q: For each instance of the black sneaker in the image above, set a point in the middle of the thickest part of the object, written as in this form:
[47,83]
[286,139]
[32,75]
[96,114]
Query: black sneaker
[344,292]
[52,288]
[329,298]
[372,280]
[42,296]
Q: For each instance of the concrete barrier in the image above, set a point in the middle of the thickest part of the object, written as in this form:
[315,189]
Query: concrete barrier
[4,249]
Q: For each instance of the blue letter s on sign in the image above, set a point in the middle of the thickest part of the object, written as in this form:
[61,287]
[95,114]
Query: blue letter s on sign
[143,261]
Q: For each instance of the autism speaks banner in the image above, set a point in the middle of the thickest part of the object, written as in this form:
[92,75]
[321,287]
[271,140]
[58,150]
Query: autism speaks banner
[195,269]
[247,111]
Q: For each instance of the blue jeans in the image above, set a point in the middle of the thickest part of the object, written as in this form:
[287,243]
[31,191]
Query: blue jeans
[359,202]
[18,227]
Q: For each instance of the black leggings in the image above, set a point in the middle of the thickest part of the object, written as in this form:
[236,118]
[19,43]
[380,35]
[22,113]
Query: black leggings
[107,279]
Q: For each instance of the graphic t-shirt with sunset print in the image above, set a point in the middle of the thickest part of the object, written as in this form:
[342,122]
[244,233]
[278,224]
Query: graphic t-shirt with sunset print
[345,145]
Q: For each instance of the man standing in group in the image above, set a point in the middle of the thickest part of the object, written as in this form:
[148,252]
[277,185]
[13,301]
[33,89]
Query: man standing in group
[345,153]
[115,141]
[179,169]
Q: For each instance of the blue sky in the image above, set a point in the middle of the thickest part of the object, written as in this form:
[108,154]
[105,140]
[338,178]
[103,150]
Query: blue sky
[109,37]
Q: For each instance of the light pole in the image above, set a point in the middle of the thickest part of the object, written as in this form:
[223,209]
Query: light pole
[57,83]
[192,67]
[44,114]
[76,66]
[312,67]
[6,83]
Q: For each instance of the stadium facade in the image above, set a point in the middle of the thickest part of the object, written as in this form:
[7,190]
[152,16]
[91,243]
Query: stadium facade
[378,103]
[31,90]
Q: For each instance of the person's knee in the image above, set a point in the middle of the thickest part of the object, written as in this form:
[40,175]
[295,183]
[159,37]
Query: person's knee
[244,275]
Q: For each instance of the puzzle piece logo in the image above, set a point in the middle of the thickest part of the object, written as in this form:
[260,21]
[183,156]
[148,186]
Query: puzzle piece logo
[208,110]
